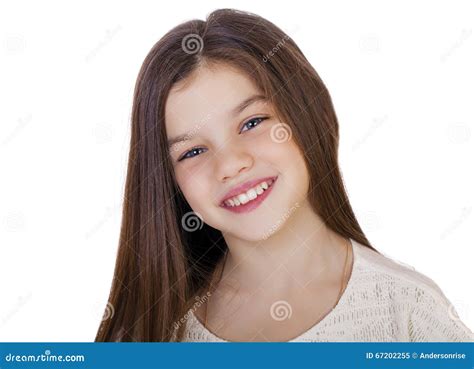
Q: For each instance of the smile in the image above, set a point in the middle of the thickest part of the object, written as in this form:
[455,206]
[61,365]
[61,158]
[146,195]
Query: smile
[251,198]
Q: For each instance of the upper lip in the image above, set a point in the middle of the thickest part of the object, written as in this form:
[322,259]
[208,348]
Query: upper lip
[241,188]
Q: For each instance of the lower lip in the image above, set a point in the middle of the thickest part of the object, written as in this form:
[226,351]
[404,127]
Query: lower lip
[252,204]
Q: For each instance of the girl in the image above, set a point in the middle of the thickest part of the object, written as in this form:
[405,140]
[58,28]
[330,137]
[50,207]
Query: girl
[236,223]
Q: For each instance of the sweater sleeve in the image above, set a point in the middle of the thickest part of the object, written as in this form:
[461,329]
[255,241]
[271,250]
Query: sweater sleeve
[433,318]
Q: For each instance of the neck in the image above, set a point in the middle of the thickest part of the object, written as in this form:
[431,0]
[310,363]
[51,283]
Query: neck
[303,250]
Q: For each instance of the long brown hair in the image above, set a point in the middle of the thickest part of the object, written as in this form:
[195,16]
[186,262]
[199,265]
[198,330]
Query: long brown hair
[161,268]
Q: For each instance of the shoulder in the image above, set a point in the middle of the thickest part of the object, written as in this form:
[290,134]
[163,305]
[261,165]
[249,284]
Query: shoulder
[429,313]
[380,266]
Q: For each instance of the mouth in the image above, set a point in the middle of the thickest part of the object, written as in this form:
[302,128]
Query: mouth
[250,199]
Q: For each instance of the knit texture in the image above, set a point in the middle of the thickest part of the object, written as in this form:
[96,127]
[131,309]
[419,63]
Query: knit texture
[384,301]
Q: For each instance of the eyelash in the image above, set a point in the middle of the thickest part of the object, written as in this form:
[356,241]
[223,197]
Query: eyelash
[260,119]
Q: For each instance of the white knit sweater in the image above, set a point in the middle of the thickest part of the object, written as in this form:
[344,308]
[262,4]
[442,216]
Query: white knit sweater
[384,301]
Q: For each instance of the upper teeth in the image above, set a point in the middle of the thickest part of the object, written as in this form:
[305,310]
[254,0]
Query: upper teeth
[250,194]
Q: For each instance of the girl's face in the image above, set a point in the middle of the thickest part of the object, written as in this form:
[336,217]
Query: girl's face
[232,136]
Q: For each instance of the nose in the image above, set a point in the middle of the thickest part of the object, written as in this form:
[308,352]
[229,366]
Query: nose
[231,163]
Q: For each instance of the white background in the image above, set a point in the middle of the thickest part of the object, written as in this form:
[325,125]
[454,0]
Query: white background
[402,82]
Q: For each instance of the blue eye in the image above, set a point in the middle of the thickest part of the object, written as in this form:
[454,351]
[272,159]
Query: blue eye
[186,155]
[254,122]
[259,119]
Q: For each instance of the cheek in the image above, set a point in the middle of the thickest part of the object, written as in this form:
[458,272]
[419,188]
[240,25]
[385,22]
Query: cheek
[264,145]
[194,185]
[289,160]
[296,157]
[277,148]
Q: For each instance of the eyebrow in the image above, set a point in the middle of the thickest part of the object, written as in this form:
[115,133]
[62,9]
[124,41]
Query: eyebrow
[235,111]
[247,102]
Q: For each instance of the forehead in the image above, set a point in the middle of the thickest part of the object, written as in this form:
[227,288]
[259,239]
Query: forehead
[209,91]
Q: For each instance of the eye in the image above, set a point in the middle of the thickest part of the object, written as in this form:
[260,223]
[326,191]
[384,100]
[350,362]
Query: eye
[252,121]
[192,151]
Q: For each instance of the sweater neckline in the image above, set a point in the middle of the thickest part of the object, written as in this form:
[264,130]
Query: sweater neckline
[349,286]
